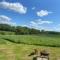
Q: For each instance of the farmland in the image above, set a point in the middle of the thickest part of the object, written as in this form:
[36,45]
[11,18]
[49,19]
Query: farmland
[18,47]
[41,40]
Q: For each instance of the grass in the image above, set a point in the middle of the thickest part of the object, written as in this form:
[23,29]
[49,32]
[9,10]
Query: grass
[40,40]
[6,33]
[21,51]
[11,50]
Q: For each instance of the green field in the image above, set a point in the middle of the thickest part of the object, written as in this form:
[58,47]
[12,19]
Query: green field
[18,47]
[40,40]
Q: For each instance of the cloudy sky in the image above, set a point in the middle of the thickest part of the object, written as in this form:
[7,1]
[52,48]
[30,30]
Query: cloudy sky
[39,14]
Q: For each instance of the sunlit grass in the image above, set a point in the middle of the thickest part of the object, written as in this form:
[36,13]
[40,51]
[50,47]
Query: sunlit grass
[21,51]
[12,50]
[41,40]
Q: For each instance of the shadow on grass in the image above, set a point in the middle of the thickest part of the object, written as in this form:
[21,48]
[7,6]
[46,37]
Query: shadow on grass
[11,41]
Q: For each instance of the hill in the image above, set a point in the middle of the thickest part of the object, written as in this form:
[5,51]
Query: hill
[19,30]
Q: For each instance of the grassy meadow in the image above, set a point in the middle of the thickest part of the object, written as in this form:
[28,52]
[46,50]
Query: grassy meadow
[18,47]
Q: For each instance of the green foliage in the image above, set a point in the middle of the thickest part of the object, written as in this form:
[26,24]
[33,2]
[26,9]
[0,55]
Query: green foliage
[17,29]
[23,30]
[5,27]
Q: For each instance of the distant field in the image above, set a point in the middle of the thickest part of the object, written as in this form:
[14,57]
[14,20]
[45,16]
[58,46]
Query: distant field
[18,47]
[41,40]
[6,33]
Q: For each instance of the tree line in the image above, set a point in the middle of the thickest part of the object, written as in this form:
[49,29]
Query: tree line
[24,30]
[18,29]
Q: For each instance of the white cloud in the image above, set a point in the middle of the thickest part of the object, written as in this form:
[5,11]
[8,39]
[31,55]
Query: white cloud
[14,6]
[33,8]
[6,20]
[43,13]
[40,22]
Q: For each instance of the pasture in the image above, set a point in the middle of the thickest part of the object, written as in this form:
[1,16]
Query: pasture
[18,47]
[40,40]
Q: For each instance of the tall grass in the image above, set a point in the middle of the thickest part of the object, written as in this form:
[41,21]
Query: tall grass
[42,40]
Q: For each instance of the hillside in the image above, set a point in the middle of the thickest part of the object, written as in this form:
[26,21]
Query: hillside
[6,29]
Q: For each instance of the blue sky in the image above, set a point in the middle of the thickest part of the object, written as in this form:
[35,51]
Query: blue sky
[38,14]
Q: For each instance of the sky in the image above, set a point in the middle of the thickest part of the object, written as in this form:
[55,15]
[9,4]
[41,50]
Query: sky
[38,14]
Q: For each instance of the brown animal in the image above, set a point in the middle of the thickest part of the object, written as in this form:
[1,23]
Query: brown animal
[44,53]
[34,52]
